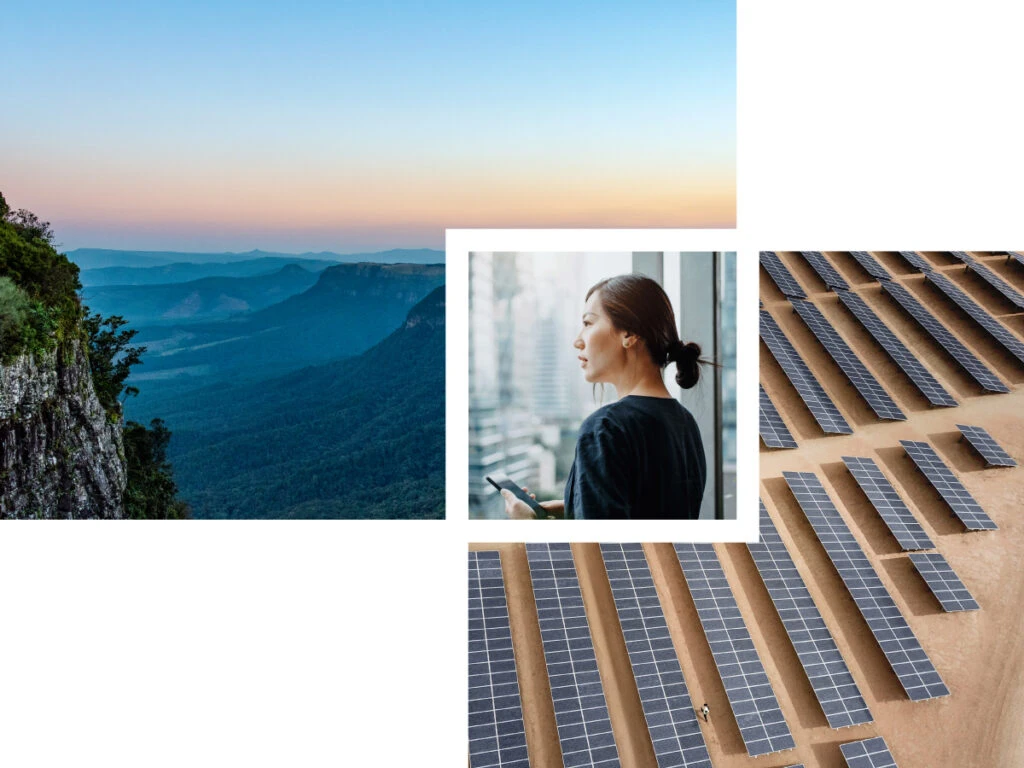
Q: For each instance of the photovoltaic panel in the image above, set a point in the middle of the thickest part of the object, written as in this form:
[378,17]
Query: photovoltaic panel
[668,709]
[962,256]
[581,712]
[903,357]
[949,487]
[866,384]
[817,401]
[943,582]
[984,444]
[995,329]
[783,279]
[869,753]
[750,694]
[825,270]
[773,429]
[497,735]
[904,653]
[833,685]
[1008,291]
[888,503]
[871,265]
[977,370]
[1014,256]
[919,262]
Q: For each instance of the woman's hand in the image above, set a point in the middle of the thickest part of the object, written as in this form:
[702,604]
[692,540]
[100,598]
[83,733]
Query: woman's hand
[516,509]
[520,510]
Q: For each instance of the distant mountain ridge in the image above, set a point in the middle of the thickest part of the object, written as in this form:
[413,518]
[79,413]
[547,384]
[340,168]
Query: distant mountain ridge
[98,258]
[356,438]
[350,308]
[184,272]
[209,298]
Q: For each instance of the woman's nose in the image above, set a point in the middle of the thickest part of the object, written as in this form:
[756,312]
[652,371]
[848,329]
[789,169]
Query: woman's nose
[578,343]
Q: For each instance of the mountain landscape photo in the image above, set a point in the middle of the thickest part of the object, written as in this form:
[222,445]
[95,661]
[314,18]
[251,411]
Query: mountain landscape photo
[306,386]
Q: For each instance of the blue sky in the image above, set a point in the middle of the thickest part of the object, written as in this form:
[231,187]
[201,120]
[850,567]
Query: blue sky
[348,125]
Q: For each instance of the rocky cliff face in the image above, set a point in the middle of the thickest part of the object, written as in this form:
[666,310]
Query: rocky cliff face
[60,457]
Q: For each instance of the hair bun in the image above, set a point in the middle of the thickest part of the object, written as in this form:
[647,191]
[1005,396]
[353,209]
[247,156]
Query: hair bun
[686,357]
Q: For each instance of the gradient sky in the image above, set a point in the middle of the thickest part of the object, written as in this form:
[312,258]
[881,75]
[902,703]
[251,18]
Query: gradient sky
[309,126]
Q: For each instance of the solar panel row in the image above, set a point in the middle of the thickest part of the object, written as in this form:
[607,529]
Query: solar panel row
[866,384]
[1015,256]
[758,715]
[984,444]
[783,279]
[581,712]
[995,329]
[830,678]
[943,582]
[773,429]
[818,402]
[903,357]
[904,653]
[828,274]
[977,370]
[949,487]
[867,753]
[1010,293]
[668,710]
[916,261]
[888,503]
[497,734]
[870,265]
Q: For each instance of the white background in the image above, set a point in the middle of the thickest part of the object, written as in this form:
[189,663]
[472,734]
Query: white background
[870,125]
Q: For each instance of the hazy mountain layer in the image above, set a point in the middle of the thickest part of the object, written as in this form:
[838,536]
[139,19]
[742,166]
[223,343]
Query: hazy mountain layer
[362,437]
[211,298]
[181,272]
[350,308]
[96,258]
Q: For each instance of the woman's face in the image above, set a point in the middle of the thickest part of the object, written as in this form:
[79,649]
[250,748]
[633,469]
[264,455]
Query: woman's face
[601,351]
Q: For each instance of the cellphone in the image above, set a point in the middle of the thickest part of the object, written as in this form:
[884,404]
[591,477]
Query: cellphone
[518,492]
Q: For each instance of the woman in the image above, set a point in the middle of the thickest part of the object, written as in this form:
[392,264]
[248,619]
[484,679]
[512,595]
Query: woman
[641,456]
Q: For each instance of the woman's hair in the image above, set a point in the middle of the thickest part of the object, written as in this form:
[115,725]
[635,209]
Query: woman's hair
[638,305]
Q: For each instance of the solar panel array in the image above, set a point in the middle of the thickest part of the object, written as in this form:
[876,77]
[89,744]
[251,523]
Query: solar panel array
[945,339]
[949,487]
[1008,291]
[774,431]
[747,687]
[825,270]
[581,712]
[903,357]
[984,444]
[919,262]
[888,503]
[943,582]
[868,753]
[818,402]
[833,685]
[871,265]
[995,329]
[668,709]
[778,272]
[907,658]
[497,735]
[866,384]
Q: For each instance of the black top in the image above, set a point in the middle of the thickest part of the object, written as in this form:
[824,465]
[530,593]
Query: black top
[639,457]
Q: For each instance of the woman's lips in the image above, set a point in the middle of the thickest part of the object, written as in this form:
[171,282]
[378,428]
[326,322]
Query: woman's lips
[583,360]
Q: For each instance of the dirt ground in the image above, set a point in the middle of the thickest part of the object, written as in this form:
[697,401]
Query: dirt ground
[979,654]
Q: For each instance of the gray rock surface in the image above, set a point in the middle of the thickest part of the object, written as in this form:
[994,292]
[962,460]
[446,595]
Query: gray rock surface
[60,457]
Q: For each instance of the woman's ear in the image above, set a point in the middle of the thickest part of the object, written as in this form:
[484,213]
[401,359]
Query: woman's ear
[629,340]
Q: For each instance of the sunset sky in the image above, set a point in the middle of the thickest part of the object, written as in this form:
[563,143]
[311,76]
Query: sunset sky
[350,125]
